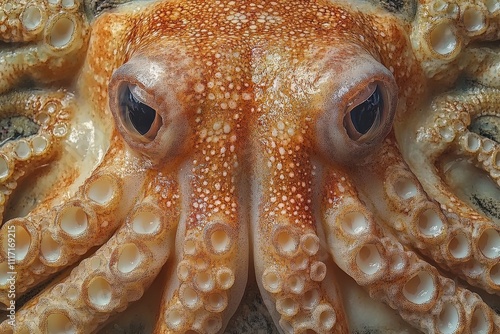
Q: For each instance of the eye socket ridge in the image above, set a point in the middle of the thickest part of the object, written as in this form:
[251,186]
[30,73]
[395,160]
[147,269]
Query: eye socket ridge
[366,112]
[139,119]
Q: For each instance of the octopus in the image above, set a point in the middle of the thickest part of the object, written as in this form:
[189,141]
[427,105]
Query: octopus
[344,154]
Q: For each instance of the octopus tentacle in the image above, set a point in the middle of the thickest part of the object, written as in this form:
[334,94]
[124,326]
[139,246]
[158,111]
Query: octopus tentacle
[449,130]
[446,127]
[49,113]
[117,274]
[421,295]
[210,276]
[31,21]
[58,35]
[443,29]
[52,238]
[212,243]
[419,223]
[22,22]
[288,261]
[442,132]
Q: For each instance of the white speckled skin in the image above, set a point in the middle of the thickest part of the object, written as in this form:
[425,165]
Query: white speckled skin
[252,160]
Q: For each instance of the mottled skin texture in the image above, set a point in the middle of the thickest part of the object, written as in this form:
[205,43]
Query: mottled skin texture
[251,161]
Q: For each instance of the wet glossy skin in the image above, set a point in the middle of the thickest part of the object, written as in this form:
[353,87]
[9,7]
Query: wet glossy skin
[249,156]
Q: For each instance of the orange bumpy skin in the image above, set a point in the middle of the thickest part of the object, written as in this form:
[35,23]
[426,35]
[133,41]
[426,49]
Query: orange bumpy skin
[345,152]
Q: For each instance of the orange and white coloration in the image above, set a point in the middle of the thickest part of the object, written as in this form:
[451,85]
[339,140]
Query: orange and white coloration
[191,141]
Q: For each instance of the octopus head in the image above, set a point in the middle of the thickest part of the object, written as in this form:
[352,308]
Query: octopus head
[314,145]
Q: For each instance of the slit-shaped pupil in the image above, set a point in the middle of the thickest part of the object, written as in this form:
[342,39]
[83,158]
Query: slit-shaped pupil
[363,116]
[140,115]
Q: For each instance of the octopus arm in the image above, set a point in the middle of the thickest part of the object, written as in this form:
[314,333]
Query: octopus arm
[421,224]
[48,114]
[117,274]
[299,291]
[209,272]
[471,245]
[445,38]
[377,261]
[52,237]
[54,39]
[209,277]
[447,127]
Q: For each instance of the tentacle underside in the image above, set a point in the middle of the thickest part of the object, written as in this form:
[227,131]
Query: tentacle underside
[211,265]
[54,36]
[451,38]
[468,240]
[446,127]
[52,238]
[49,114]
[117,274]
[377,261]
[60,229]
[54,235]
[292,277]
[460,241]
[287,258]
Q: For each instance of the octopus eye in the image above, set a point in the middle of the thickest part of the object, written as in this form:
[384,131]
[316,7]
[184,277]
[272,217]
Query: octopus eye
[359,110]
[143,98]
[137,117]
[366,112]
